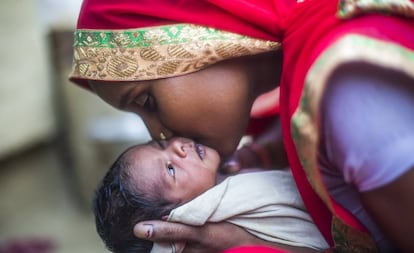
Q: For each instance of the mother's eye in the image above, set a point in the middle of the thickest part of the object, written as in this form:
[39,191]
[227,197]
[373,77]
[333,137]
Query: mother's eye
[145,101]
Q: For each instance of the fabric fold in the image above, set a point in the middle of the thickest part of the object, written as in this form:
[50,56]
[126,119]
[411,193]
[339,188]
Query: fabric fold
[266,204]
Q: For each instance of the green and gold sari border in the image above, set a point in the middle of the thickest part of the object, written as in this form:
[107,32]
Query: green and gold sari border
[158,36]
[352,8]
[157,52]
[306,119]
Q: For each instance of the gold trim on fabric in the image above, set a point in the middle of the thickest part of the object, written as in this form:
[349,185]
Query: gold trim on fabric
[157,52]
[306,118]
[352,8]
[349,240]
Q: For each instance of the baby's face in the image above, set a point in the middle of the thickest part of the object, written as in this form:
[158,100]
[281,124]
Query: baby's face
[178,168]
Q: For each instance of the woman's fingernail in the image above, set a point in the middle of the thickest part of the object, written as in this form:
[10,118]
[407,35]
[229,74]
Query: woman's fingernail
[232,163]
[144,231]
[230,167]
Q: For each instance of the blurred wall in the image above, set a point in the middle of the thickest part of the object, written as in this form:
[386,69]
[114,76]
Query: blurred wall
[26,110]
[39,105]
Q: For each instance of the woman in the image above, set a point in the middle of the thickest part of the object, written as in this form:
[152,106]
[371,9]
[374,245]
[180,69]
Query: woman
[347,72]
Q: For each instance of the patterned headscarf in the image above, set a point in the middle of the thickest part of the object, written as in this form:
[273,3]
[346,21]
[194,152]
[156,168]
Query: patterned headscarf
[132,40]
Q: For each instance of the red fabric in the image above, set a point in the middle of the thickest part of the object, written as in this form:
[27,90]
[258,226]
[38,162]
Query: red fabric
[255,18]
[255,249]
[303,24]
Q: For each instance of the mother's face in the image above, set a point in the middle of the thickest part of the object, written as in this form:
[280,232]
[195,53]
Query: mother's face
[211,106]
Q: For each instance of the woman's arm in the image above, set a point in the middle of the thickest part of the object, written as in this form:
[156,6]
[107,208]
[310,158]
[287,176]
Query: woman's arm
[392,207]
[212,237]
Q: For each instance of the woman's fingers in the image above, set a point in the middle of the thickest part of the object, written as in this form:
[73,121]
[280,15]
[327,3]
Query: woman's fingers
[231,166]
[241,159]
[165,231]
[211,237]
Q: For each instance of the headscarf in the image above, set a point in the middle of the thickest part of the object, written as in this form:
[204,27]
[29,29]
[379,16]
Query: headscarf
[132,40]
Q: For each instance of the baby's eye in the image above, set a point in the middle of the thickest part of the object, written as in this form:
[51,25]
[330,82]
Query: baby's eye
[146,101]
[171,170]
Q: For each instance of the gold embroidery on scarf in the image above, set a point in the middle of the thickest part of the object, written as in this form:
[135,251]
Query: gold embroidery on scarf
[121,66]
[150,54]
[157,52]
[352,8]
[306,119]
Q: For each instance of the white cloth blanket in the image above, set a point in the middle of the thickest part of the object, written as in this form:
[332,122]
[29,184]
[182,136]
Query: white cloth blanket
[266,204]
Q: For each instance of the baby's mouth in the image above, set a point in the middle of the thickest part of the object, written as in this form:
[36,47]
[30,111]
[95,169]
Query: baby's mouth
[200,151]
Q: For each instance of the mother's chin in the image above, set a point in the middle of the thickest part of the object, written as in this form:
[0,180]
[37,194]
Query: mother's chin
[224,146]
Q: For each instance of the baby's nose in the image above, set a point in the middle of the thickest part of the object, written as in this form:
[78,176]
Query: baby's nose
[181,146]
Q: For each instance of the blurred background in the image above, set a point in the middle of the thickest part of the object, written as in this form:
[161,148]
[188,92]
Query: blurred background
[56,140]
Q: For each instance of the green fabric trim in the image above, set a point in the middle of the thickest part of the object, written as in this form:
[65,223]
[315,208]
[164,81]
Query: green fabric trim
[151,36]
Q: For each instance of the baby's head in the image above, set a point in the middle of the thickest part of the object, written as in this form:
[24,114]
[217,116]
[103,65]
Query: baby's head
[146,182]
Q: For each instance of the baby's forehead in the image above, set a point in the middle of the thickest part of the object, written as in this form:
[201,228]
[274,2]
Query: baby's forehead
[142,168]
[132,153]
[136,157]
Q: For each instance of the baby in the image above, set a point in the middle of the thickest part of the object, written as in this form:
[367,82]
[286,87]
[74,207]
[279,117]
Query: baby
[176,180]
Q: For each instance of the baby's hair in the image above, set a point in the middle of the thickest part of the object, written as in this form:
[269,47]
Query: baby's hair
[119,204]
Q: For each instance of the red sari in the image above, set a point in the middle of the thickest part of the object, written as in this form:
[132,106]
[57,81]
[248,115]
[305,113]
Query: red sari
[326,38]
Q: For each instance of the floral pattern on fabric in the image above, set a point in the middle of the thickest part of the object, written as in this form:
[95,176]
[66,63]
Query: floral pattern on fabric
[157,52]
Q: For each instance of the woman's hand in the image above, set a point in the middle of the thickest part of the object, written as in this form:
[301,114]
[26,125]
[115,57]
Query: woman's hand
[266,151]
[244,157]
[210,238]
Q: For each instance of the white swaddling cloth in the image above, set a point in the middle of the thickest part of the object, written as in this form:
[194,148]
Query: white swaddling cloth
[266,204]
